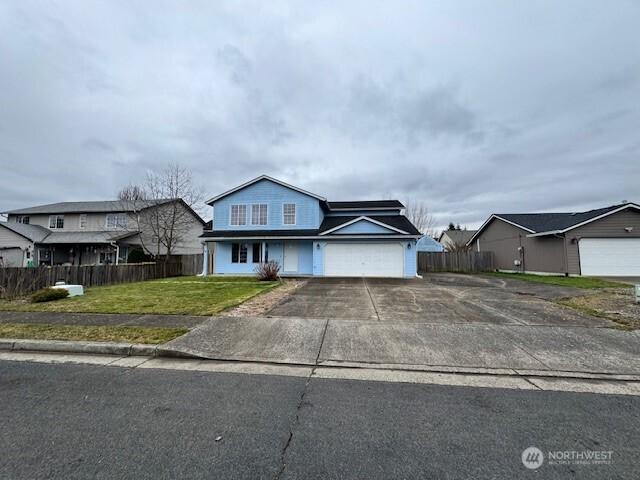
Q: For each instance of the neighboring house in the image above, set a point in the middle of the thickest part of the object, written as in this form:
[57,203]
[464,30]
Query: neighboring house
[266,219]
[455,239]
[605,241]
[86,233]
[428,244]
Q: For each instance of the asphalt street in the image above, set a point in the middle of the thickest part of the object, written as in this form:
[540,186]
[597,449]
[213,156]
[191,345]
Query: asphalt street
[85,421]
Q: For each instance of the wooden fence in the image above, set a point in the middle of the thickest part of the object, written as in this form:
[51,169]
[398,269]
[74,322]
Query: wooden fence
[190,264]
[22,281]
[462,262]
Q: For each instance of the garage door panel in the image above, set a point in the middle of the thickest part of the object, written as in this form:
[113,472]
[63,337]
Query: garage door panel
[364,259]
[610,256]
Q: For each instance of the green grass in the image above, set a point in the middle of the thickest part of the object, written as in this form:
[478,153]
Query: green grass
[578,282]
[175,296]
[150,335]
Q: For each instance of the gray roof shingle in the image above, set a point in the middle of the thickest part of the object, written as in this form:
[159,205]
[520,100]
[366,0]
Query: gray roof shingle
[546,222]
[89,207]
[35,233]
[365,204]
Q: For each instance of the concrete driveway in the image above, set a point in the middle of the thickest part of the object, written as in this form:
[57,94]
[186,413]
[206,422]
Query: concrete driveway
[436,299]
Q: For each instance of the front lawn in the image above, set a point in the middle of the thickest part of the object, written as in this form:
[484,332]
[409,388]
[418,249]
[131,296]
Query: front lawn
[578,282]
[92,333]
[175,296]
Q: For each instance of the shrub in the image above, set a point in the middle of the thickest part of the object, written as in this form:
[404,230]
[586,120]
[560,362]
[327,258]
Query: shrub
[267,271]
[49,294]
[136,255]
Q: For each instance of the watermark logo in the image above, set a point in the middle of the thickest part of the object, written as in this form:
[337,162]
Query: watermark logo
[532,458]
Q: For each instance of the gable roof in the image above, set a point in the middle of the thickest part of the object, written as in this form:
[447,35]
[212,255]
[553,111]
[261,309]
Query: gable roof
[364,218]
[257,179]
[35,233]
[101,206]
[539,224]
[395,222]
[366,204]
[460,237]
[429,244]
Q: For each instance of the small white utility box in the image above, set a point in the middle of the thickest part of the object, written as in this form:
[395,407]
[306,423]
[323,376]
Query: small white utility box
[74,290]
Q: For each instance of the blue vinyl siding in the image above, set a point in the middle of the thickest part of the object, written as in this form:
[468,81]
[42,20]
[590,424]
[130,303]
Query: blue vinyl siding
[362,226]
[223,263]
[410,258]
[308,211]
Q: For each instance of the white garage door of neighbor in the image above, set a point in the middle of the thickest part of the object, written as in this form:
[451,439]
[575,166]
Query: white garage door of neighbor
[364,259]
[610,256]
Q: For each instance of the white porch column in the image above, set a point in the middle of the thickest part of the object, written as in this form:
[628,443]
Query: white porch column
[205,259]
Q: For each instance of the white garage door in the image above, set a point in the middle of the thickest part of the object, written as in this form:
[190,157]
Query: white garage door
[12,257]
[610,256]
[364,259]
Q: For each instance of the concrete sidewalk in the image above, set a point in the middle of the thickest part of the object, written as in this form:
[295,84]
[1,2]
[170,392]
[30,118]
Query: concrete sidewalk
[464,347]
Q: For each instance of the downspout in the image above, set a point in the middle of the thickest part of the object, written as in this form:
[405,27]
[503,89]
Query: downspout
[114,244]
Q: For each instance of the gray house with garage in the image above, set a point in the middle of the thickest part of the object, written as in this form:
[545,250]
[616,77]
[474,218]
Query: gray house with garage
[600,242]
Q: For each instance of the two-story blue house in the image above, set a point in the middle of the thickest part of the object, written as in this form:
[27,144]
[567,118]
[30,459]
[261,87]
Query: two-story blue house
[266,219]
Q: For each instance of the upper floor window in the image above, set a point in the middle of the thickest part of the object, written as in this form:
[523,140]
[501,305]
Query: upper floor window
[238,214]
[56,221]
[259,214]
[23,219]
[116,220]
[82,221]
[289,214]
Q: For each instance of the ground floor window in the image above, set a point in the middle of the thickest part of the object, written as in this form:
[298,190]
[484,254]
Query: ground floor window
[257,252]
[239,253]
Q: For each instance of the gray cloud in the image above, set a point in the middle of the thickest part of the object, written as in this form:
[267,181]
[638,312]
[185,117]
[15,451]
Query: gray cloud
[520,107]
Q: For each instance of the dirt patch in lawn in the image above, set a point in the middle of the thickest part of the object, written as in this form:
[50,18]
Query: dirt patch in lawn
[259,305]
[617,305]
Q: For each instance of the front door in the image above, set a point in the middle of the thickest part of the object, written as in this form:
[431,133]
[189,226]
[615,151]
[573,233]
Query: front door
[290,257]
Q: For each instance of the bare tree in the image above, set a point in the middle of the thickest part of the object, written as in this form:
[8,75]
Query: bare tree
[418,213]
[132,193]
[163,208]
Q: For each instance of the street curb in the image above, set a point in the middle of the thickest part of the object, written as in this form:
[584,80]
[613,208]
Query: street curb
[95,348]
[145,350]
[65,346]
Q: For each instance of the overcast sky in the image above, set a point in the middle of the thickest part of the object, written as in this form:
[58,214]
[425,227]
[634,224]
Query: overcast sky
[473,107]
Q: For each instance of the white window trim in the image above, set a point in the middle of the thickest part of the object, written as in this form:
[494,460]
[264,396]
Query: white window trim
[266,218]
[295,214]
[231,214]
[55,225]
[83,216]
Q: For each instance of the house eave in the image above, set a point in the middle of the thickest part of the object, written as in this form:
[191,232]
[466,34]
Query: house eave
[311,237]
